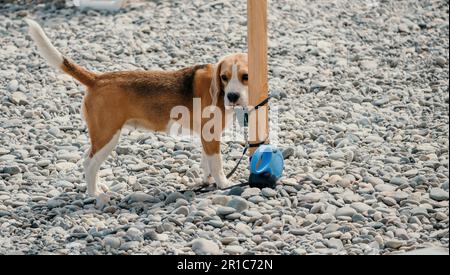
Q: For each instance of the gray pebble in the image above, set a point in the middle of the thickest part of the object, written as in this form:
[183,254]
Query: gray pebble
[268,192]
[11,170]
[112,242]
[216,223]
[134,234]
[205,247]
[224,210]
[250,192]
[438,194]
[395,244]
[129,245]
[182,210]
[399,181]
[13,85]
[238,203]
[173,197]
[236,191]
[234,250]
[345,211]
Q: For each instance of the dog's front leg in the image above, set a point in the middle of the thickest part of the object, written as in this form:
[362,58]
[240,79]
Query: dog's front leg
[211,151]
[216,168]
[207,178]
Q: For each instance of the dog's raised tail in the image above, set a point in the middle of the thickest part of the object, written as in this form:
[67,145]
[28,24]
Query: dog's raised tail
[55,58]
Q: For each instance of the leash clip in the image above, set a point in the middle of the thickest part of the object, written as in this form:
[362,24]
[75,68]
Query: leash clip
[242,113]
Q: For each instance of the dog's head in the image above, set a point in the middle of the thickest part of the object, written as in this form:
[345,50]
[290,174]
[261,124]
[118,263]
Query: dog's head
[230,79]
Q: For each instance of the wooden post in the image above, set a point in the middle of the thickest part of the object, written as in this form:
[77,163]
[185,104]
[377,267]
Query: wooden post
[257,66]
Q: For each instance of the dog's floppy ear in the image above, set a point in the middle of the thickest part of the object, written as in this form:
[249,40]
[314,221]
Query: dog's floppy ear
[216,84]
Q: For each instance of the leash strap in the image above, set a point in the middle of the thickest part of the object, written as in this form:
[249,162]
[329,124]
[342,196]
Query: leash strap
[247,145]
[253,145]
[206,190]
[237,164]
[262,103]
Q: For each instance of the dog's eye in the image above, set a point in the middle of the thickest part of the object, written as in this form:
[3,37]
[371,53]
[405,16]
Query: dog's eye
[245,77]
[224,77]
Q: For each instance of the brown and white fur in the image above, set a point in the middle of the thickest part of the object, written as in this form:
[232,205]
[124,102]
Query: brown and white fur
[114,99]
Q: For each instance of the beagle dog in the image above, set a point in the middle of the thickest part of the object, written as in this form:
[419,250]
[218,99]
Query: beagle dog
[146,98]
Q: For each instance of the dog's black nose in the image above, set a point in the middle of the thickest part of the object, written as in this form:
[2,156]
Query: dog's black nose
[233,97]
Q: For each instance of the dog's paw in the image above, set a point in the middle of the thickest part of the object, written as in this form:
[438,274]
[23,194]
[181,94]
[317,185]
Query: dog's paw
[93,193]
[207,180]
[102,200]
[224,183]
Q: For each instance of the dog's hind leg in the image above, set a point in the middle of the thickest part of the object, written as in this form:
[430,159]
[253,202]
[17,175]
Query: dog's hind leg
[99,151]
